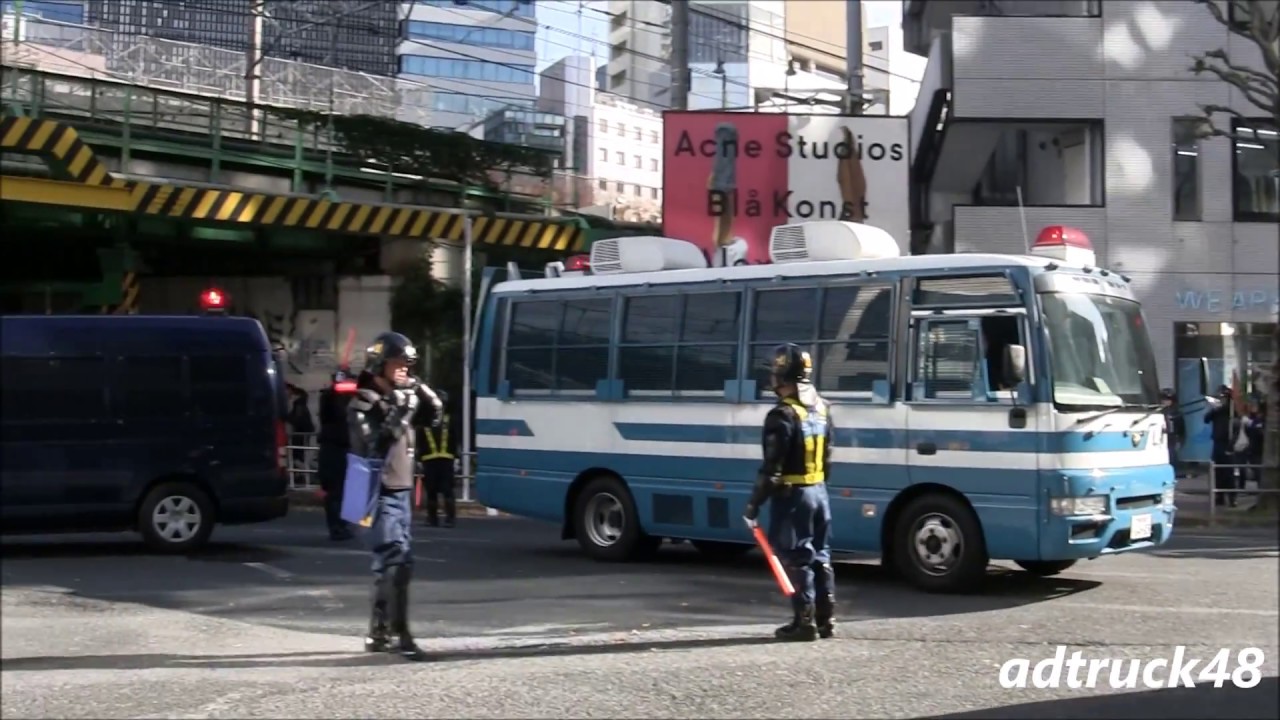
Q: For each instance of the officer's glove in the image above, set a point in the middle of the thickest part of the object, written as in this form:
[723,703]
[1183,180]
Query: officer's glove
[750,517]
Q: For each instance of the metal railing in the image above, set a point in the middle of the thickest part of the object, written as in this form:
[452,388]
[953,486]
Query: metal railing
[207,70]
[1240,478]
[303,461]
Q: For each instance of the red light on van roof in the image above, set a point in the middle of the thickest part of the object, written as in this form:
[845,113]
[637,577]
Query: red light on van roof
[577,263]
[346,386]
[213,299]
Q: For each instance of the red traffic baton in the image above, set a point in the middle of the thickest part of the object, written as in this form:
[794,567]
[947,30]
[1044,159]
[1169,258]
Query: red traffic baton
[784,583]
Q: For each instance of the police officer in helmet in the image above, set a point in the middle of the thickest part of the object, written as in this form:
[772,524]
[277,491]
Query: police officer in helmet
[389,403]
[798,435]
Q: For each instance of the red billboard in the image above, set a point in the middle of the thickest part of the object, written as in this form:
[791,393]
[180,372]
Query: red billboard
[730,178]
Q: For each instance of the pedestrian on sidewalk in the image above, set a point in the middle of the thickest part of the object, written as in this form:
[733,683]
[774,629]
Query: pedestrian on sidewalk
[1225,433]
[1174,424]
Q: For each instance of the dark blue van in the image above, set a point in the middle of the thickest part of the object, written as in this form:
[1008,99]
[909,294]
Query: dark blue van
[164,425]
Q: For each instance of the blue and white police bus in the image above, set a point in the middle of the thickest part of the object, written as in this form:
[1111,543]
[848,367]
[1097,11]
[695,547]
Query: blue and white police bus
[987,406]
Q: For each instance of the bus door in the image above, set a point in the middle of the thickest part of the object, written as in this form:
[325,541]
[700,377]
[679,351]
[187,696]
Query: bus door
[967,428]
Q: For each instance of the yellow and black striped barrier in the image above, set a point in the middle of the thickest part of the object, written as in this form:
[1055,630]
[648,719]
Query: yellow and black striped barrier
[62,145]
[130,285]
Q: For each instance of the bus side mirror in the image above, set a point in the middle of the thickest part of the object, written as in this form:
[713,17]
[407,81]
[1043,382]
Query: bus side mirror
[1203,377]
[1014,368]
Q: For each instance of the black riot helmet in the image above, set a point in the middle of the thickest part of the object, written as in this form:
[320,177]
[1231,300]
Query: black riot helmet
[791,364]
[388,346]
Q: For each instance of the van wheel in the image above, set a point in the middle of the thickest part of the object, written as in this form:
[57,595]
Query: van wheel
[938,545]
[607,524]
[1045,568]
[721,551]
[176,517]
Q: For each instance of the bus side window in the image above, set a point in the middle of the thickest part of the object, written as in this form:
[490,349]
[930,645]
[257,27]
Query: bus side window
[781,316]
[646,356]
[582,346]
[531,345]
[998,332]
[946,361]
[853,338]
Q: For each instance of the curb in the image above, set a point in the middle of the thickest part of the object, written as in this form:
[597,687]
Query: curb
[1225,521]
[313,500]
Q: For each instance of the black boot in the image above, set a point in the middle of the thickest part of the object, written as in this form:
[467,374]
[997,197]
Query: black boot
[450,511]
[403,644]
[825,608]
[824,616]
[378,639]
[801,627]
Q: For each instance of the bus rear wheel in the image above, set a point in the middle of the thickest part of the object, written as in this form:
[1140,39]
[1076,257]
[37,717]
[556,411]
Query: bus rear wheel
[1045,568]
[938,545]
[607,524]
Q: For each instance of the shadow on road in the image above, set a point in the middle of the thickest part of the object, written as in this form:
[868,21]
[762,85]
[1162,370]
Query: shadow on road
[490,574]
[327,660]
[1202,701]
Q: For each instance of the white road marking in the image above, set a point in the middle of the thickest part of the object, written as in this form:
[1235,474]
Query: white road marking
[1169,609]
[271,570]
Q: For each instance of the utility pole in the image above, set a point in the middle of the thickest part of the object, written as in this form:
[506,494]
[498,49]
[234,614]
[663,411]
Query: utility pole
[253,59]
[679,54]
[853,54]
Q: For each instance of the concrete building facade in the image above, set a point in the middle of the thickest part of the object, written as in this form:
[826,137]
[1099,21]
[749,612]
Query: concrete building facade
[1085,113]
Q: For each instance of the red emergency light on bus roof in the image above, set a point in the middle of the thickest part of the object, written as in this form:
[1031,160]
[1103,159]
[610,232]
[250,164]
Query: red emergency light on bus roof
[577,263]
[1064,243]
[213,300]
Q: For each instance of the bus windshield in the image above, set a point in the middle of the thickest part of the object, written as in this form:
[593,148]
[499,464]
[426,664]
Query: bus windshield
[1102,356]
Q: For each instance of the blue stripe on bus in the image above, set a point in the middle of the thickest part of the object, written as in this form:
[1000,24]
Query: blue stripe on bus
[884,439]
[517,428]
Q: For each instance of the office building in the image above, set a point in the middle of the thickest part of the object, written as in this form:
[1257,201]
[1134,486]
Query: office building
[767,55]
[1194,222]
[615,145]
[350,34]
[477,54]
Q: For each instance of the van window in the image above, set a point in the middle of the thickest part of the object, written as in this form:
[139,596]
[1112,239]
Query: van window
[148,388]
[43,389]
[219,384]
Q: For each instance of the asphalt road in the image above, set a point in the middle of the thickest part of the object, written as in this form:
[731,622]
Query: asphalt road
[268,624]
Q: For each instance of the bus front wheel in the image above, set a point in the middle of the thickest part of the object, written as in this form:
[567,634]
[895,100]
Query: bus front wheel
[1045,568]
[938,545]
[607,524]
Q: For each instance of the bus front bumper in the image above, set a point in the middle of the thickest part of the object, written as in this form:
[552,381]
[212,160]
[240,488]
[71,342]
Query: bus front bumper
[1088,536]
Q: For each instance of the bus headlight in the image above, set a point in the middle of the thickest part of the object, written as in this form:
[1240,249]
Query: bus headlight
[1168,498]
[1090,505]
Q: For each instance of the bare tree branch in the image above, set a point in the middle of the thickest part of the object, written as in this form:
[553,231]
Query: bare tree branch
[1259,87]
[1269,82]
[1264,99]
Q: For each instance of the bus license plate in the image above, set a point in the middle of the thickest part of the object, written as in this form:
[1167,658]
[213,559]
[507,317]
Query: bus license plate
[1140,527]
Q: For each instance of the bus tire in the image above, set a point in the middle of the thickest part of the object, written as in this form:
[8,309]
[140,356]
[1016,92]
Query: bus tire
[1045,568]
[607,524]
[176,517]
[938,545]
[718,551]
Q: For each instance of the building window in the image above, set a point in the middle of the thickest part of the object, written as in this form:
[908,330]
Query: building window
[603,185]
[64,12]
[639,161]
[443,101]
[1186,168]
[622,130]
[470,35]
[604,155]
[619,188]
[518,8]
[639,135]
[465,69]
[604,126]
[653,193]
[876,45]
[1238,13]
[621,157]
[654,137]
[653,164]
[1257,171]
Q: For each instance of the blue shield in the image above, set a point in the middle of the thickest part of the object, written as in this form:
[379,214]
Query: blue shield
[360,490]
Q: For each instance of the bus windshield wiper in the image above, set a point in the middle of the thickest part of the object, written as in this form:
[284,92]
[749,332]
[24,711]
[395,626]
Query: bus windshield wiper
[1118,408]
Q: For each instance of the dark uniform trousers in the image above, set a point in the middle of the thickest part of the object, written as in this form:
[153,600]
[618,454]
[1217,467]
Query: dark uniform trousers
[332,470]
[391,534]
[800,532]
[438,481]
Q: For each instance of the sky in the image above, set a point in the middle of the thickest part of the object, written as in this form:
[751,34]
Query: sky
[573,27]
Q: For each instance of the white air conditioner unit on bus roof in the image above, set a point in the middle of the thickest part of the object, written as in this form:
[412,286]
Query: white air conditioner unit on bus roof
[646,253]
[825,240]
